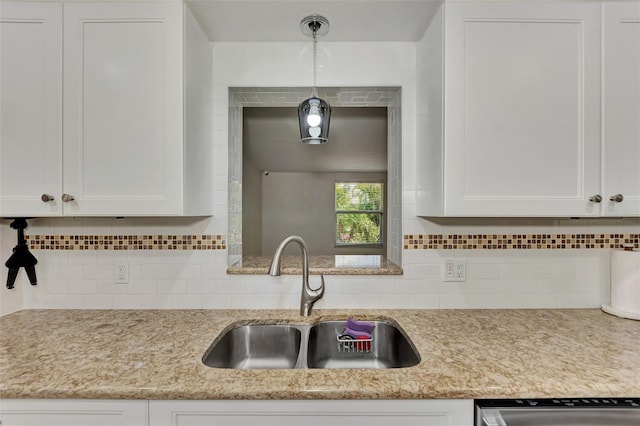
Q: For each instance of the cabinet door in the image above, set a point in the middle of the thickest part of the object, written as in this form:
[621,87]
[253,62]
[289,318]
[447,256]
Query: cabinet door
[312,413]
[30,108]
[123,108]
[522,108]
[621,115]
[70,412]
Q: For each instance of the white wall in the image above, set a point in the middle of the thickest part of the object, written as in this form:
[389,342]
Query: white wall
[304,204]
[10,300]
[198,279]
[251,209]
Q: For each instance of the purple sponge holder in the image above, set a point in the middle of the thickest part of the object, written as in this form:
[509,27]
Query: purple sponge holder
[358,329]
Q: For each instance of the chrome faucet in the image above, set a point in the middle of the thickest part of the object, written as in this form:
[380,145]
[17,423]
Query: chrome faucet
[309,295]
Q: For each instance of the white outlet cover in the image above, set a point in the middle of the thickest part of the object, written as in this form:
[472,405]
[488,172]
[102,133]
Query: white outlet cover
[455,270]
[122,272]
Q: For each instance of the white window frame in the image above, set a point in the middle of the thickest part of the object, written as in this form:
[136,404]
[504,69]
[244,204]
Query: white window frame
[380,212]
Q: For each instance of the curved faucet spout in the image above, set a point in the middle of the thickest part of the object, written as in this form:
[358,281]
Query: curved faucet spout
[309,295]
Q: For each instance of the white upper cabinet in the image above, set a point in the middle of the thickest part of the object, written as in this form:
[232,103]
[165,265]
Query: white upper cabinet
[123,107]
[520,105]
[621,109]
[30,109]
[126,102]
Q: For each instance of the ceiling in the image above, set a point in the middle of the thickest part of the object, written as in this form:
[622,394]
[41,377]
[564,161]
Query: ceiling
[279,21]
[357,141]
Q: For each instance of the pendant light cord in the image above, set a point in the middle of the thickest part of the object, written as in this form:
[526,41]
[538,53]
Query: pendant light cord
[314,92]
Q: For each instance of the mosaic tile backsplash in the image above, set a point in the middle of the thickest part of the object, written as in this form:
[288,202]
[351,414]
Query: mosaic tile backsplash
[126,242]
[519,241]
[411,242]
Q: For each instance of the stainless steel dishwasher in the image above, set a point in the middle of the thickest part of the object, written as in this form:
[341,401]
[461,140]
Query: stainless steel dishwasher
[558,412]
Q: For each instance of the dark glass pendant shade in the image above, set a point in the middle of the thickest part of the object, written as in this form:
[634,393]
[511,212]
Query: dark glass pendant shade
[313,117]
[314,113]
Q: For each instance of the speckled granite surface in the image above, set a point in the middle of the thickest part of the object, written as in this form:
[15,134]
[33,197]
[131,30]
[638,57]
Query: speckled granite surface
[156,354]
[328,265]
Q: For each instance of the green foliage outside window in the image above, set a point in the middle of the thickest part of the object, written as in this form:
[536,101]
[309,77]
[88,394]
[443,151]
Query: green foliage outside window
[358,213]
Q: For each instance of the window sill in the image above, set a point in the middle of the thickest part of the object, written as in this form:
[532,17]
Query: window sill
[328,265]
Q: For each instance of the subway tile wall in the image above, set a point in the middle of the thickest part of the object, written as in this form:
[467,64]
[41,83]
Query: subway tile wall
[184,278]
[164,278]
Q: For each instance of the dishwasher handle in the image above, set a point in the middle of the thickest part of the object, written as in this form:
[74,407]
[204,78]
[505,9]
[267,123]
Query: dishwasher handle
[492,418]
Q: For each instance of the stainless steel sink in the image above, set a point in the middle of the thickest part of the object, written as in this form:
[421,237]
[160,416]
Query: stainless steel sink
[258,346]
[390,348]
[255,346]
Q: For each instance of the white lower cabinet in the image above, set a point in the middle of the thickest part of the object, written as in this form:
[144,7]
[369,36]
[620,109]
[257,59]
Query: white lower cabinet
[80,412]
[312,413]
[73,412]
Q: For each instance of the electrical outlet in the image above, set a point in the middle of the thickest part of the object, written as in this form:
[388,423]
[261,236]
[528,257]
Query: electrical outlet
[122,272]
[455,270]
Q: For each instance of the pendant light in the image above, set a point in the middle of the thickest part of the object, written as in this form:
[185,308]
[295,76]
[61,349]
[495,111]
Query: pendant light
[314,113]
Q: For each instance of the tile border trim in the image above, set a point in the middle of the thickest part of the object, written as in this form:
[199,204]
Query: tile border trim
[518,241]
[410,242]
[126,242]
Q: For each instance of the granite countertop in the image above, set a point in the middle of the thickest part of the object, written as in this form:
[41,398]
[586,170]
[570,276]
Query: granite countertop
[327,265]
[156,354]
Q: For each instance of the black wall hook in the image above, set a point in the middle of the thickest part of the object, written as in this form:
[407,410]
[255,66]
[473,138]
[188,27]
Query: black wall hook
[21,257]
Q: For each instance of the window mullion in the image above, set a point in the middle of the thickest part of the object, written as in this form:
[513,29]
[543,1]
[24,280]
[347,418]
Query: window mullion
[358,211]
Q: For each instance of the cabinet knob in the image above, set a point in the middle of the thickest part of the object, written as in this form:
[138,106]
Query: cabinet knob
[616,198]
[67,197]
[46,198]
[595,198]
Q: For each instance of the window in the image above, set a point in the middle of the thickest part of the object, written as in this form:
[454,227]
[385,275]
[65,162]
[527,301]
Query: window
[359,213]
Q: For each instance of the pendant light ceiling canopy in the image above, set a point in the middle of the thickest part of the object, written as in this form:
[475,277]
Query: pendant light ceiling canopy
[314,113]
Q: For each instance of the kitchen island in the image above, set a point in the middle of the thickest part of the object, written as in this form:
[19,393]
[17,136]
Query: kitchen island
[465,354]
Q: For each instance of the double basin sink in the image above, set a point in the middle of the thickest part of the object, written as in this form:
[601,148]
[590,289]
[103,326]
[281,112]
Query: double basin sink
[259,345]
